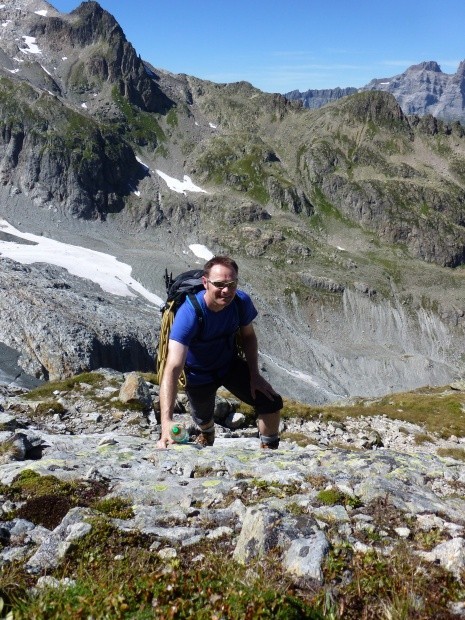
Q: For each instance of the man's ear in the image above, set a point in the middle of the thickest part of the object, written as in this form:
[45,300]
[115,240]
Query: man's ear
[204,281]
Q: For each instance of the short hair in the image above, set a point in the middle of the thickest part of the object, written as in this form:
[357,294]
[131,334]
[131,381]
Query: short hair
[226,261]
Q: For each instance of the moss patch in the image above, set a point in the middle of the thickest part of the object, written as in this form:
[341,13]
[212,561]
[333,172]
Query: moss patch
[46,499]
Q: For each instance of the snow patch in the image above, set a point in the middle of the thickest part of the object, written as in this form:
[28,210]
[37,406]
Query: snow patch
[181,187]
[32,47]
[42,12]
[84,105]
[105,270]
[212,126]
[201,251]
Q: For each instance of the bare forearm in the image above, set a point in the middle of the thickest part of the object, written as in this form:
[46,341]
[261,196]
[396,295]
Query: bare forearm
[250,346]
[168,393]
[169,389]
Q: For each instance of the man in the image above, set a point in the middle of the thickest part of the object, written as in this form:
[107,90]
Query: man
[210,358]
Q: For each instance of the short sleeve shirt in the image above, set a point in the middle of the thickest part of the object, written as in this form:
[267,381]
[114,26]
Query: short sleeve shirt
[211,347]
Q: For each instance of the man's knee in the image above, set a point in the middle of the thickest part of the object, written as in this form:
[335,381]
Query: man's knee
[266,405]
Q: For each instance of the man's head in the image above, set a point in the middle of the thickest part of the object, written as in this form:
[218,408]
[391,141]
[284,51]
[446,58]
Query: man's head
[220,282]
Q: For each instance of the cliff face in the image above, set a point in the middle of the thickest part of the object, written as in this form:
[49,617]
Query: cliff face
[425,89]
[352,208]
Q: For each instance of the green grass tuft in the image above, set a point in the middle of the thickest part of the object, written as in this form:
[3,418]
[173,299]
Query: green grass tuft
[46,390]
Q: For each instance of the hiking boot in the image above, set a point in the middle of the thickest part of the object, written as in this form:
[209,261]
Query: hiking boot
[205,439]
[269,446]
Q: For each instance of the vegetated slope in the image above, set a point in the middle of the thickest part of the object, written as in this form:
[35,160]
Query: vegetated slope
[345,220]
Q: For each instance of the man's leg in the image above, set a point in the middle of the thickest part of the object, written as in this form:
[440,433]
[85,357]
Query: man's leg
[237,382]
[268,427]
[202,405]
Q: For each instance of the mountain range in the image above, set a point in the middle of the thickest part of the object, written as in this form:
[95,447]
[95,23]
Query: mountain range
[348,221]
[420,90]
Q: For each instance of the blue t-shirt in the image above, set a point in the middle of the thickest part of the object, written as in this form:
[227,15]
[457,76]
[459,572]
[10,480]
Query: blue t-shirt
[211,347]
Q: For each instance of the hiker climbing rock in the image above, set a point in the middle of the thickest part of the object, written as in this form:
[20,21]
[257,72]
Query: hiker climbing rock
[202,342]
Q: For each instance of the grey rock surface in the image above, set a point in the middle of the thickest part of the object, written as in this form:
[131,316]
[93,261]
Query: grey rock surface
[262,502]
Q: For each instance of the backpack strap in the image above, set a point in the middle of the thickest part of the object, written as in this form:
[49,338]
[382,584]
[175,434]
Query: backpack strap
[238,302]
[198,310]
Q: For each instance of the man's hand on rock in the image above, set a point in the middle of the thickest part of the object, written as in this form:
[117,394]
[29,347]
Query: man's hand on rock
[164,441]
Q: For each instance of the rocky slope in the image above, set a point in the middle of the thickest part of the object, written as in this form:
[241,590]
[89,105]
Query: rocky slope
[63,324]
[420,90]
[364,485]
[347,221]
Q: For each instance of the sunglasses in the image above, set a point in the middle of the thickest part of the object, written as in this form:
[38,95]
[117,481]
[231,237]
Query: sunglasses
[217,284]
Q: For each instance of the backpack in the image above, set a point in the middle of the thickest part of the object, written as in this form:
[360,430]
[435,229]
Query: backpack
[186,284]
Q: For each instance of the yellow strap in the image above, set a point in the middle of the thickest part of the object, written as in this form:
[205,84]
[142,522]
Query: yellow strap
[163,343]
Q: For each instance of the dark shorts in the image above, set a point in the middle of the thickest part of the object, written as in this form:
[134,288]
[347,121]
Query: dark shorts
[237,381]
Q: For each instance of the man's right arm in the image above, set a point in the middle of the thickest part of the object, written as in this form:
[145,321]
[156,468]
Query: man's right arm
[177,354]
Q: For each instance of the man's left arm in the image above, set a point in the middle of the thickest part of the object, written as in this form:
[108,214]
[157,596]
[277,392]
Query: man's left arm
[250,347]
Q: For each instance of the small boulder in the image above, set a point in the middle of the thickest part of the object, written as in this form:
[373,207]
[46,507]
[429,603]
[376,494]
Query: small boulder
[135,389]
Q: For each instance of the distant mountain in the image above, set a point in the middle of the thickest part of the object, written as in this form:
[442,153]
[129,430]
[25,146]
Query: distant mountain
[319,98]
[422,89]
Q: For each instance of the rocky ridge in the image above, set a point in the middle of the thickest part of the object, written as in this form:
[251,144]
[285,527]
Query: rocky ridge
[362,483]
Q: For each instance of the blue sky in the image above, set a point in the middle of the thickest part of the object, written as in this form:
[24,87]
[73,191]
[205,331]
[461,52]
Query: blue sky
[291,44]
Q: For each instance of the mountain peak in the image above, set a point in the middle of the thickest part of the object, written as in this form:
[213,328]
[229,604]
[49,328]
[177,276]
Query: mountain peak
[428,65]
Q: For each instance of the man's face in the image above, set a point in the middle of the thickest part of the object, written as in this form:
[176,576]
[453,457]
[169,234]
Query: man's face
[218,297]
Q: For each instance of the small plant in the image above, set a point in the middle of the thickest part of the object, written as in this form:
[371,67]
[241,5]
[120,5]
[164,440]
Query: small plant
[46,390]
[114,507]
[398,587]
[299,438]
[331,497]
[118,576]
[421,438]
[428,540]
[317,481]
[49,407]
[45,500]
[454,453]
[296,509]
